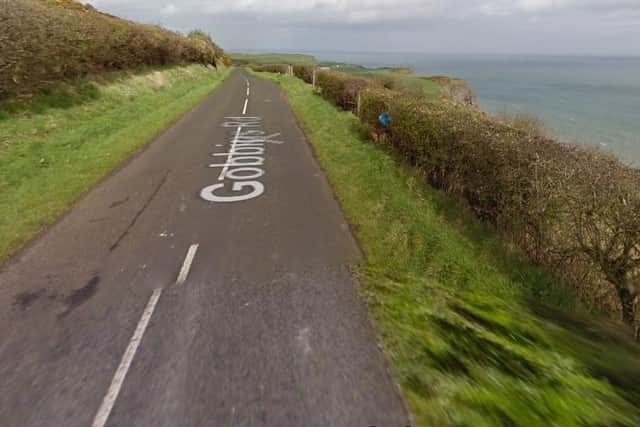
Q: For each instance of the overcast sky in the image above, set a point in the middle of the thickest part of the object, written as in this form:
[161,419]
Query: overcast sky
[431,26]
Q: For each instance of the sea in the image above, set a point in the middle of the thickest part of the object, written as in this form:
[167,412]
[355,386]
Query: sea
[581,99]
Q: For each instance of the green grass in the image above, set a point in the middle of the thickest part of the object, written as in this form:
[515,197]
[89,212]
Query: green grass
[272,58]
[56,146]
[430,89]
[404,78]
[476,335]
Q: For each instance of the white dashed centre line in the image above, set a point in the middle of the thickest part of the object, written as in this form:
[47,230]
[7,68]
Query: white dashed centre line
[186,265]
[114,389]
[127,358]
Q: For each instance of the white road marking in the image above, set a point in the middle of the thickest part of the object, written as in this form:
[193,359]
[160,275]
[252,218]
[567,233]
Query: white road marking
[223,174]
[114,389]
[248,91]
[186,265]
[246,103]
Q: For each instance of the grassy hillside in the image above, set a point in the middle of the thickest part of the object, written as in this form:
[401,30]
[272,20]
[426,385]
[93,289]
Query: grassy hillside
[272,58]
[477,336]
[57,145]
[403,80]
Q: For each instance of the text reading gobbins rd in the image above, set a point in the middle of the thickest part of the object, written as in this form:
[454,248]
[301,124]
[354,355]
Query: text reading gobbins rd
[243,166]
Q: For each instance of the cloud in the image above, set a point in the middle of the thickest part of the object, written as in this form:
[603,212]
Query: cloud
[169,9]
[382,10]
[489,25]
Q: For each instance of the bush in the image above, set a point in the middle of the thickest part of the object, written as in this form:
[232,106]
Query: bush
[270,68]
[42,41]
[526,122]
[304,72]
[342,89]
[575,210]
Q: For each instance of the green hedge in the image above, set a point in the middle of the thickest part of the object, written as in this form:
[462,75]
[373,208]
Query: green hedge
[304,72]
[270,68]
[342,89]
[573,209]
[42,41]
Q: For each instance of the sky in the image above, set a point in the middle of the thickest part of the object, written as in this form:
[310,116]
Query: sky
[558,27]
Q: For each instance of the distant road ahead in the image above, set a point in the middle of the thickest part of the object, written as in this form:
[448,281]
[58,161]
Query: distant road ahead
[206,283]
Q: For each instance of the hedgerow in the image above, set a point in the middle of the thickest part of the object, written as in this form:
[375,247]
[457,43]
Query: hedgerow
[342,89]
[270,68]
[42,41]
[304,72]
[574,209]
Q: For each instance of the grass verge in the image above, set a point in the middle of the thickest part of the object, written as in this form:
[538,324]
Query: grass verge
[476,335]
[57,145]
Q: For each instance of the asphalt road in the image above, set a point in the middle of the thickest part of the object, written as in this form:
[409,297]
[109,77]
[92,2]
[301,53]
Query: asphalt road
[205,283]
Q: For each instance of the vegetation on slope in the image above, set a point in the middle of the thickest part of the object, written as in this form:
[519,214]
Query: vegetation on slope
[57,145]
[573,209]
[43,41]
[393,78]
[272,59]
[405,80]
[401,79]
[477,336]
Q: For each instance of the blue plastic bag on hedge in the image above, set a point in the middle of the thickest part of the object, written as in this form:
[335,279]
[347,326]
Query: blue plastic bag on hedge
[385,119]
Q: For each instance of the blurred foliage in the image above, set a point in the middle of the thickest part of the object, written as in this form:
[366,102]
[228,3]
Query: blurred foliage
[574,209]
[270,68]
[476,333]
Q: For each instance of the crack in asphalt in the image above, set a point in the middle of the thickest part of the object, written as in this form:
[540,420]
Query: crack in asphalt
[140,212]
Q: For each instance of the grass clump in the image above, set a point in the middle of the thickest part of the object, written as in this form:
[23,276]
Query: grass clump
[477,336]
[57,145]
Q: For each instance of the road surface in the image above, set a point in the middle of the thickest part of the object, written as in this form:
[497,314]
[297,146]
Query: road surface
[205,283]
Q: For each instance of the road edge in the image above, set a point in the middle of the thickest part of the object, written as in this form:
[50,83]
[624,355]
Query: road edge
[357,276]
[17,254]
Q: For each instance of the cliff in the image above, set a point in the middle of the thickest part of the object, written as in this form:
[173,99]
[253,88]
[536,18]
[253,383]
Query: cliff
[457,90]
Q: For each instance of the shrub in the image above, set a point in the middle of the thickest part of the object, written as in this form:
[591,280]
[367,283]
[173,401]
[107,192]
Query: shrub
[270,68]
[574,209]
[342,89]
[42,41]
[304,72]
[526,122]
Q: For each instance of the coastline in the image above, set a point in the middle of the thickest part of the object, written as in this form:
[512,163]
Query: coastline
[583,100]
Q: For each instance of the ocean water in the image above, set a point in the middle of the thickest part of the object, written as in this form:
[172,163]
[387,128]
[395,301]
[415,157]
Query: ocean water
[587,100]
